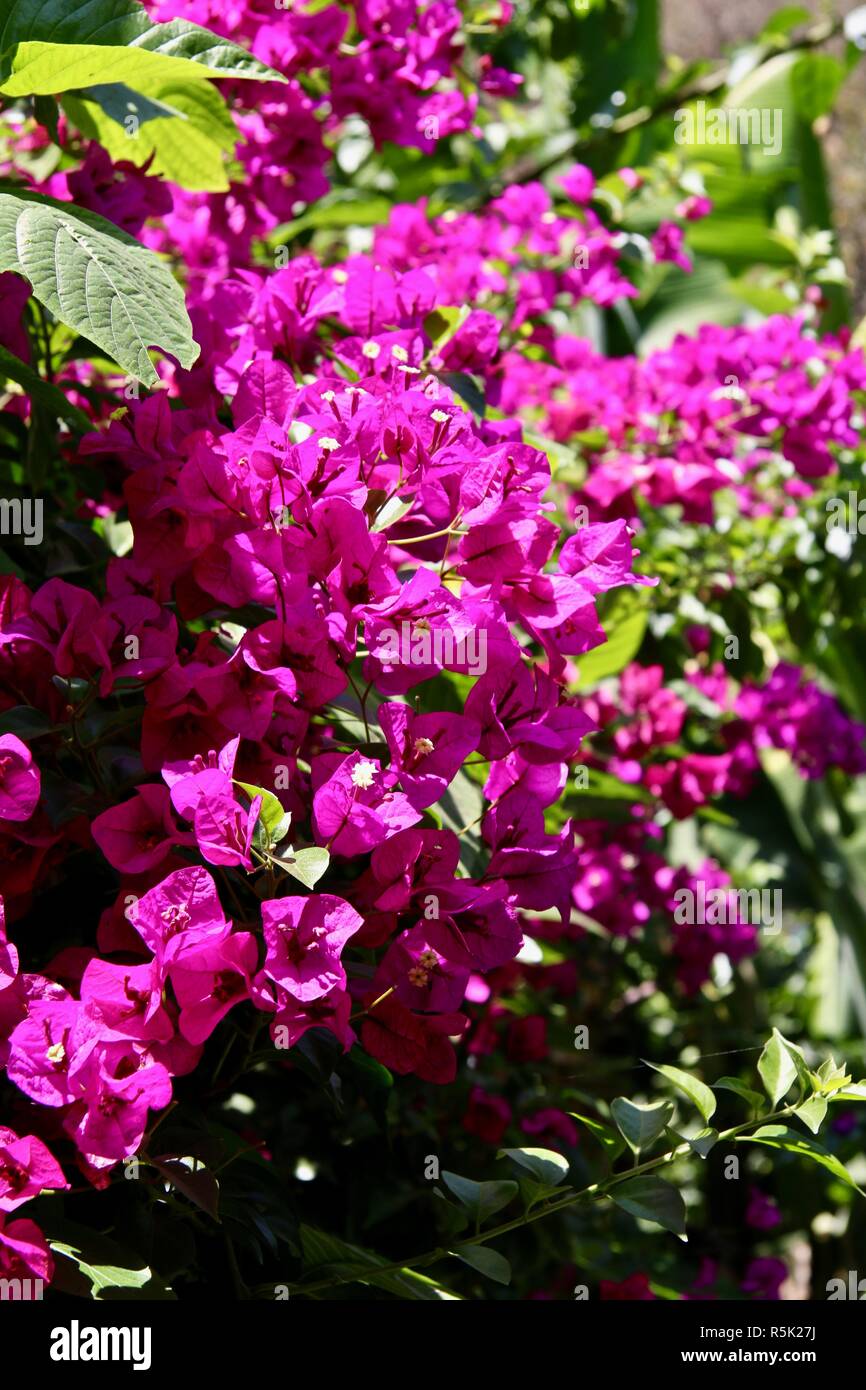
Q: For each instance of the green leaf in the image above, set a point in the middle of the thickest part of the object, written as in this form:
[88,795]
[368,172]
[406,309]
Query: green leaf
[546,1165]
[804,1076]
[74,689]
[779,1137]
[702,1143]
[612,1142]
[272,815]
[789,17]
[27,723]
[606,787]
[91,1265]
[119,103]
[46,37]
[626,626]
[732,1083]
[830,1077]
[443,322]
[98,280]
[815,82]
[640,1125]
[44,68]
[699,1094]
[486,1261]
[324,1253]
[460,808]
[179,130]
[856,1092]
[812,1112]
[482,1199]
[392,511]
[467,388]
[48,395]
[306,865]
[343,207]
[652,1199]
[776,1068]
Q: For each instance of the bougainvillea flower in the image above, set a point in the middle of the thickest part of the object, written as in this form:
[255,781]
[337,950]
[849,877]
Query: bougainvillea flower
[209,979]
[487,1116]
[224,761]
[355,804]
[184,909]
[427,750]
[407,1042]
[117,1087]
[476,926]
[538,869]
[138,834]
[685,785]
[551,1128]
[40,1051]
[331,1011]
[24,1253]
[422,978]
[764,1278]
[8,953]
[223,829]
[601,556]
[19,779]
[26,1168]
[129,999]
[305,939]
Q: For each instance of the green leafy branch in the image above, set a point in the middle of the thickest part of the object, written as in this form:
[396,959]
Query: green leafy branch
[637,1190]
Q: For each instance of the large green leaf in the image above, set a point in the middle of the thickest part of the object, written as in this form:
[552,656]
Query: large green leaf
[733,1083]
[37,39]
[612,1142]
[179,129]
[43,69]
[98,280]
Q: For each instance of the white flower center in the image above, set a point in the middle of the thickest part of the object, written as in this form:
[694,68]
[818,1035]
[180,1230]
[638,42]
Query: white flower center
[363,774]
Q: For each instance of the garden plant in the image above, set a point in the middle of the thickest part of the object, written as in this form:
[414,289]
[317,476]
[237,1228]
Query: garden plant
[432,663]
